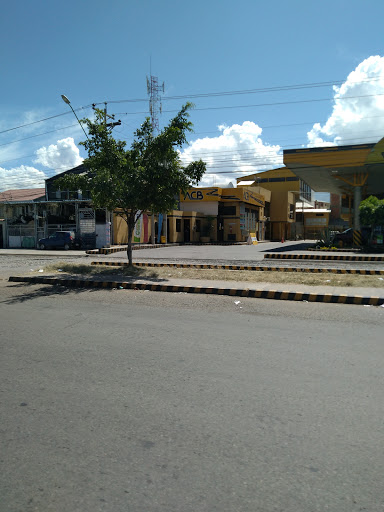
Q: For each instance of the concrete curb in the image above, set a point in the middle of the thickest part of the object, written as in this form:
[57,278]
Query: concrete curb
[244,267]
[233,292]
[110,250]
[330,257]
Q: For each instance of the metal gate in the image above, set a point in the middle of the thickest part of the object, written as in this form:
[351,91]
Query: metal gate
[87,228]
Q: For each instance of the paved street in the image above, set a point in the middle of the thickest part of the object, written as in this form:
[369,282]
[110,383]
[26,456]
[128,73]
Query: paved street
[13,261]
[126,400]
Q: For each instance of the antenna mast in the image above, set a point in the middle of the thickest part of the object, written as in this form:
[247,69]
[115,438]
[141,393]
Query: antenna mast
[153,90]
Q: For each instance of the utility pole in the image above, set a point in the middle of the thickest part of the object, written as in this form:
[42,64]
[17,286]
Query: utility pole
[153,91]
[108,214]
[107,116]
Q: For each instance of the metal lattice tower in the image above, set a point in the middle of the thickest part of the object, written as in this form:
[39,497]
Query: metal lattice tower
[153,90]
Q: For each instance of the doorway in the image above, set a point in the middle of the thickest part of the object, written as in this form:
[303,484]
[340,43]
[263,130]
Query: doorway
[187,230]
[220,229]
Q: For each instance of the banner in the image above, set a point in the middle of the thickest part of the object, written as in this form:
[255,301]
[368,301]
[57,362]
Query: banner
[145,227]
[160,225]
[138,228]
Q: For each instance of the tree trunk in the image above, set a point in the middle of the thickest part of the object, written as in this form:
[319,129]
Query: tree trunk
[129,245]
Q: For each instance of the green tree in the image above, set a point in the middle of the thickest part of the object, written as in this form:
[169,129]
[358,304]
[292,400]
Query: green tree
[371,211]
[147,177]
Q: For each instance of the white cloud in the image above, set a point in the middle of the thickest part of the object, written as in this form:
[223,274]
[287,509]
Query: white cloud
[23,176]
[56,158]
[238,151]
[360,118]
[61,156]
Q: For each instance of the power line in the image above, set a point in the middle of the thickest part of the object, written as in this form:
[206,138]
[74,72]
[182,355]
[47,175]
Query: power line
[280,88]
[38,135]
[278,103]
[41,120]
[225,153]
[254,91]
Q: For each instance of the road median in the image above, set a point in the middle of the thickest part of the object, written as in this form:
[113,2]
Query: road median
[237,290]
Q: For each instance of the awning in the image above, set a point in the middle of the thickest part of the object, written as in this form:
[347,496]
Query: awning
[337,169]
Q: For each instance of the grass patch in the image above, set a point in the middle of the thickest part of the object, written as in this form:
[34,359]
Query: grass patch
[164,273]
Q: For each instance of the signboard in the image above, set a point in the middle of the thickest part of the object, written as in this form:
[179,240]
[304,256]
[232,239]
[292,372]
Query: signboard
[252,239]
[245,195]
[315,221]
[202,194]
[138,228]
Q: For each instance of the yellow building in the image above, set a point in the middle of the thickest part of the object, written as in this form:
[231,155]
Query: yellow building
[314,221]
[354,172]
[206,214]
[286,188]
[232,213]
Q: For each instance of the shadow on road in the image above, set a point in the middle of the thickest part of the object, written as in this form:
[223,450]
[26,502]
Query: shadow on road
[42,291]
[300,246]
[57,289]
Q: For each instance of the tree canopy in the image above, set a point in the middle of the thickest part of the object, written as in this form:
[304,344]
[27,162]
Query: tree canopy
[146,177]
[372,211]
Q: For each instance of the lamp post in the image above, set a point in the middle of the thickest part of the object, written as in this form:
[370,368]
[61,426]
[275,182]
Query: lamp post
[66,100]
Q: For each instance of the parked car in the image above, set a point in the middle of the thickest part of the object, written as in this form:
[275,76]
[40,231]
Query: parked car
[346,237]
[63,239]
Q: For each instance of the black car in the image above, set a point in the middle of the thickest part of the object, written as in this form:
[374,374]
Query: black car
[346,237]
[63,239]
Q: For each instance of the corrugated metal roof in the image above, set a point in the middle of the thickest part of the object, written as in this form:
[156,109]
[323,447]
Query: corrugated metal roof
[21,195]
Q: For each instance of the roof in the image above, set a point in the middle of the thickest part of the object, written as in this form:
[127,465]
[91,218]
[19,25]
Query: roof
[80,169]
[338,169]
[21,195]
[245,183]
[313,210]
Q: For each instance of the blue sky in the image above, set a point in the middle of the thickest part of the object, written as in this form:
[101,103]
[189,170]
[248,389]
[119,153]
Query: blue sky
[97,51]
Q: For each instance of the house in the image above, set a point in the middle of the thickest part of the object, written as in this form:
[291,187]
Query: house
[27,215]
[19,217]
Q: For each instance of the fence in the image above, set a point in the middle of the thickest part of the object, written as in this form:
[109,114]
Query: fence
[21,236]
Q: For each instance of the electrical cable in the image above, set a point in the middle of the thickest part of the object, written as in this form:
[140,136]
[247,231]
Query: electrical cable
[207,95]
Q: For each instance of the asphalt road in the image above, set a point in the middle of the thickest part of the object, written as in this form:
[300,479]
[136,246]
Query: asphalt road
[15,262]
[136,401]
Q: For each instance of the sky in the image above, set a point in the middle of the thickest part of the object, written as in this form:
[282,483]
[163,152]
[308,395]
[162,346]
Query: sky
[263,77]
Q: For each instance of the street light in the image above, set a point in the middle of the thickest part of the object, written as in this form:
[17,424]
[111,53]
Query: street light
[66,100]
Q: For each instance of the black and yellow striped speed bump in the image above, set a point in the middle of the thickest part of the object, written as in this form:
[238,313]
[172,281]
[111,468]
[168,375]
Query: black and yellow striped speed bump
[330,257]
[233,292]
[245,267]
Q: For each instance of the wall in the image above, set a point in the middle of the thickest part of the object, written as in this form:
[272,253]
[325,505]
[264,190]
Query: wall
[206,207]
[120,230]
[315,223]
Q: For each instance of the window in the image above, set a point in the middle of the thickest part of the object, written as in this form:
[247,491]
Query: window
[305,191]
[227,210]
[178,225]
[273,180]
[198,225]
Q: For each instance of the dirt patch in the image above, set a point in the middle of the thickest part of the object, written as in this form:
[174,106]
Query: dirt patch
[323,279]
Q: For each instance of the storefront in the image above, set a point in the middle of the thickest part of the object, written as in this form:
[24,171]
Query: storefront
[232,213]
